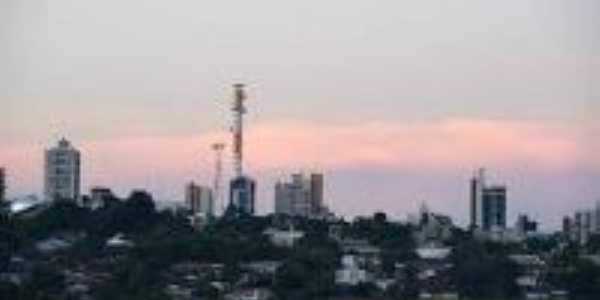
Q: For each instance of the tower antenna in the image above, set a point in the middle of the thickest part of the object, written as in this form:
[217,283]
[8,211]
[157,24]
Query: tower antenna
[218,149]
[239,110]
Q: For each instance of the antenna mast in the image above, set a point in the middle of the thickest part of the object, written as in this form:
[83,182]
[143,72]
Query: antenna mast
[239,110]
[218,149]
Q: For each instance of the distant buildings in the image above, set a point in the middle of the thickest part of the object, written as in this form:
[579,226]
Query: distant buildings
[284,238]
[2,185]
[432,227]
[62,172]
[199,200]
[302,196]
[582,225]
[99,197]
[488,204]
[525,225]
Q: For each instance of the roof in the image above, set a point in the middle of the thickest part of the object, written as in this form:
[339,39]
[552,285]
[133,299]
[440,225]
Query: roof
[595,259]
[526,260]
[433,253]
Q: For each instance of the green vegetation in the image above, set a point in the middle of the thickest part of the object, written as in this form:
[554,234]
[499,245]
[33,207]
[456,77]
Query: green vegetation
[163,239]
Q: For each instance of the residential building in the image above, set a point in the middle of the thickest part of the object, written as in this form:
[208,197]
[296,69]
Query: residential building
[99,197]
[302,196]
[199,200]
[62,172]
[435,273]
[488,204]
[531,276]
[352,272]
[284,238]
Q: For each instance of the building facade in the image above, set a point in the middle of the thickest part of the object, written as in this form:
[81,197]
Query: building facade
[301,196]
[242,195]
[199,199]
[494,208]
[62,172]
[488,204]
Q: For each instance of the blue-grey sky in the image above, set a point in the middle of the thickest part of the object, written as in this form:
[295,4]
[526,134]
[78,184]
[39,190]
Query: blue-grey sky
[111,71]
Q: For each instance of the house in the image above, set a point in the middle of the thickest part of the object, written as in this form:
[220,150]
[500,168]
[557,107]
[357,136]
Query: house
[352,272]
[532,271]
[435,273]
[284,238]
[250,294]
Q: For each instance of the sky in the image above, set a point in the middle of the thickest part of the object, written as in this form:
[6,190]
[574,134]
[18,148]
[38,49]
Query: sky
[397,102]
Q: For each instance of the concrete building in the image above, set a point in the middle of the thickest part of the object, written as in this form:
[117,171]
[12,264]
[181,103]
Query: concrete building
[488,204]
[199,200]
[302,196]
[525,225]
[494,208]
[242,195]
[62,172]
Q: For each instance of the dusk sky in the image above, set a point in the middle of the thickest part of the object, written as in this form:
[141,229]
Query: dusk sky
[397,102]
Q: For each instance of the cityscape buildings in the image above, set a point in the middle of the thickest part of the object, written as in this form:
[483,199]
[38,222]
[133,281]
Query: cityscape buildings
[302,196]
[62,172]
[488,204]
[199,200]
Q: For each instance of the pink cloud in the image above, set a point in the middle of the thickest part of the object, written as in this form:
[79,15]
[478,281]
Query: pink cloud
[441,145]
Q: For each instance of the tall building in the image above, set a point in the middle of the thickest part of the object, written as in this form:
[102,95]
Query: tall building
[317,189]
[494,208]
[582,227]
[302,196]
[2,185]
[62,172]
[199,199]
[476,198]
[488,204]
[242,191]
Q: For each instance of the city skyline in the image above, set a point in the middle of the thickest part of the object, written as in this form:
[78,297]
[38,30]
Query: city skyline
[405,99]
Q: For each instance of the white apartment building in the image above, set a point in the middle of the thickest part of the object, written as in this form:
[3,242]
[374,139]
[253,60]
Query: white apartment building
[199,199]
[62,179]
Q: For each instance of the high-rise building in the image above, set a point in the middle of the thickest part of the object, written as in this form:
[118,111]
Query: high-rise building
[242,191]
[199,199]
[494,208]
[582,227]
[488,204]
[317,189]
[62,172]
[476,194]
[302,196]
[2,185]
